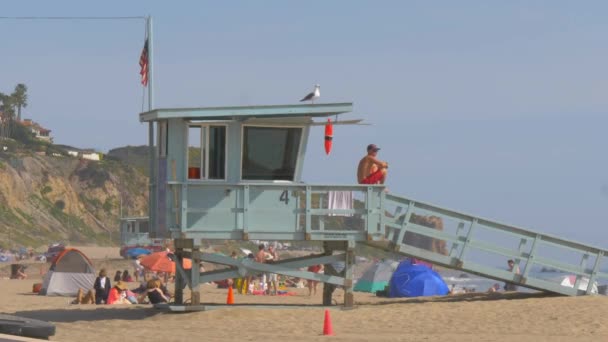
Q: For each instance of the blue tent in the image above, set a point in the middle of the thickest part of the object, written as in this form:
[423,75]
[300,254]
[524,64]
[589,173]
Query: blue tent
[135,252]
[414,280]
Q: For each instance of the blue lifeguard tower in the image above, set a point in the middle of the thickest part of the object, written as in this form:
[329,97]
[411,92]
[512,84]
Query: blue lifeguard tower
[234,173]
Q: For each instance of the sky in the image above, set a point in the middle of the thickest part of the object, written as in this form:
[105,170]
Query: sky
[494,108]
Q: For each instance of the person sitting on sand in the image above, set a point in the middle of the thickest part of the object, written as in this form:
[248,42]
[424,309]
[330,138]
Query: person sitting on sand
[131,296]
[141,292]
[118,276]
[494,288]
[155,294]
[126,277]
[163,287]
[21,273]
[294,282]
[81,298]
[272,278]
[371,170]
[118,295]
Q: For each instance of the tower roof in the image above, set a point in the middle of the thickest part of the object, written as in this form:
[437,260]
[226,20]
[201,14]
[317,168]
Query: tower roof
[248,112]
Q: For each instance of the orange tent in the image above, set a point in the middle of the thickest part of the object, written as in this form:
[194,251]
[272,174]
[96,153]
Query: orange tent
[160,262]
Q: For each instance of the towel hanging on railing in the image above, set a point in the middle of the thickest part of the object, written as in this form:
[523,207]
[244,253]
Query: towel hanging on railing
[340,200]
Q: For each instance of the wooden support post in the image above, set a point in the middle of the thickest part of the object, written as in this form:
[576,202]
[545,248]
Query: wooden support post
[179,282]
[328,289]
[195,288]
[349,265]
[347,272]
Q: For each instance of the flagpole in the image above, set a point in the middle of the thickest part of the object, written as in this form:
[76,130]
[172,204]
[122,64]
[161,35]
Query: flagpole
[152,185]
[150,65]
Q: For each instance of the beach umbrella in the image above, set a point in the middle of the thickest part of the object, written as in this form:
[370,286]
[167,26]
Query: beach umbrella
[135,252]
[160,262]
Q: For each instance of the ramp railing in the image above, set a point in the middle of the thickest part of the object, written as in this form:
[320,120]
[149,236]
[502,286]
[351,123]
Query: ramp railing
[483,247]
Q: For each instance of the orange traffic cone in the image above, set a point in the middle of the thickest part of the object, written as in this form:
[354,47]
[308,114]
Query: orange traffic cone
[327,328]
[230,299]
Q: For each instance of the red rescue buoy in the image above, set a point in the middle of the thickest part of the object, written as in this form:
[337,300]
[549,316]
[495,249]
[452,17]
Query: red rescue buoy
[329,136]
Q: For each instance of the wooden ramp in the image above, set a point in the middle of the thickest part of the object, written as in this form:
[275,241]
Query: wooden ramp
[481,246]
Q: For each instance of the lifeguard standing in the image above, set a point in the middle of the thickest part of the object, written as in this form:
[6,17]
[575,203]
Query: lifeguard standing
[371,170]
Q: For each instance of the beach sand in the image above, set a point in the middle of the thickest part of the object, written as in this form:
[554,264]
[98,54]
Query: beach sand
[468,317]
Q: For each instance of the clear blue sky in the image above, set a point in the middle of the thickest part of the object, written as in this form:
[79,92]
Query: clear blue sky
[497,108]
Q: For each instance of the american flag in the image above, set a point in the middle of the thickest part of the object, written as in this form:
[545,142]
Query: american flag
[143,63]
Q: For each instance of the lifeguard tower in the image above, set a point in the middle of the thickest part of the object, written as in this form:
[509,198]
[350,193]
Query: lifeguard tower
[135,231]
[234,173]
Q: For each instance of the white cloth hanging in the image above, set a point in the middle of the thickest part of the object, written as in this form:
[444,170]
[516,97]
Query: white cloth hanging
[340,200]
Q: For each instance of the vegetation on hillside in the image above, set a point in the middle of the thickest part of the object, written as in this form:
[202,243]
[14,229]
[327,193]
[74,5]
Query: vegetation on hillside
[11,105]
[44,199]
[136,156]
[46,195]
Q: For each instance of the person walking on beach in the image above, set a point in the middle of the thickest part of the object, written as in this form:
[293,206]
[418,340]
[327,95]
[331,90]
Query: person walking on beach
[273,278]
[261,255]
[138,269]
[371,170]
[513,269]
[261,258]
[312,284]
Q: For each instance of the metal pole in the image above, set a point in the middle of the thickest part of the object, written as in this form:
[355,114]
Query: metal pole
[151,194]
[152,187]
[150,65]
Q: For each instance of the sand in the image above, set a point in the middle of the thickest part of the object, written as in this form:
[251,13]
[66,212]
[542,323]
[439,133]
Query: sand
[468,317]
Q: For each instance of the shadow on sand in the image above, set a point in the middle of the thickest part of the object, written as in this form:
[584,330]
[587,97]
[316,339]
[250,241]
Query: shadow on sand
[98,314]
[465,297]
[139,313]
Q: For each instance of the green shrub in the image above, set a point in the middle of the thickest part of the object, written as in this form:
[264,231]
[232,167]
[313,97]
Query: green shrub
[47,189]
[59,204]
[94,174]
[108,205]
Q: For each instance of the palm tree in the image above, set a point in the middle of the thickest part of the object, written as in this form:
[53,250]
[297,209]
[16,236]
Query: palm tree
[8,113]
[3,132]
[20,98]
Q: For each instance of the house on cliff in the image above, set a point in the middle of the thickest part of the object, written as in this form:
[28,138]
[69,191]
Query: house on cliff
[39,132]
[84,154]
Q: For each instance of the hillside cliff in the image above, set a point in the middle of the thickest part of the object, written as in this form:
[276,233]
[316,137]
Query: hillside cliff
[60,198]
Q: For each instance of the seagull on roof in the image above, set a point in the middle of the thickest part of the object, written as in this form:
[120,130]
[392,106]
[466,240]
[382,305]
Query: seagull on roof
[313,95]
